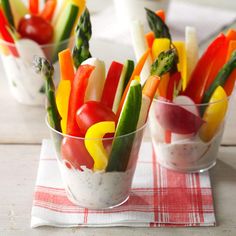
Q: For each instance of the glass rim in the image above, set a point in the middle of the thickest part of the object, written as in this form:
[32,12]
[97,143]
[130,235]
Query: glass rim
[2,41]
[189,105]
[104,139]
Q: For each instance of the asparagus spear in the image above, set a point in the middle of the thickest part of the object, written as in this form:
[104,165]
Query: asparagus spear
[166,62]
[156,24]
[46,69]
[83,34]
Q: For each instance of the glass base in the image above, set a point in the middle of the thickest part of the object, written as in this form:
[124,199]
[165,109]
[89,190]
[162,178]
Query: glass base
[189,170]
[73,200]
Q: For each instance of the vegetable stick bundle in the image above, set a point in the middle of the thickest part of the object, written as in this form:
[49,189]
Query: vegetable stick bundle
[53,24]
[199,81]
[91,104]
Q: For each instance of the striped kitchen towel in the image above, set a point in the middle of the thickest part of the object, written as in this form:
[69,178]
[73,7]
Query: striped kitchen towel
[159,197]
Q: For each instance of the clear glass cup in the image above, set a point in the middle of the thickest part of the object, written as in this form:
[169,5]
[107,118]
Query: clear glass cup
[25,85]
[187,137]
[87,187]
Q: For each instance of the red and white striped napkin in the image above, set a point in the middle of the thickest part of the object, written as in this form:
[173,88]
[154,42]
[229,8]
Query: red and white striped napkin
[159,197]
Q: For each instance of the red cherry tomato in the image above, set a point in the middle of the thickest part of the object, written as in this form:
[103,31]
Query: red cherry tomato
[92,112]
[35,28]
[74,153]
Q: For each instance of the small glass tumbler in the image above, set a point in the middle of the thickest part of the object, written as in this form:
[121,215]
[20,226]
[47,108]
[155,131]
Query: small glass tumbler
[186,137]
[25,85]
[97,189]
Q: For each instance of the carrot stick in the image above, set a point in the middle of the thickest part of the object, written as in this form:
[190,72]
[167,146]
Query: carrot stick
[66,65]
[148,93]
[48,10]
[149,38]
[230,82]
[150,86]
[34,6]
[137,71]
[161,14]
[231,34]
[162,88]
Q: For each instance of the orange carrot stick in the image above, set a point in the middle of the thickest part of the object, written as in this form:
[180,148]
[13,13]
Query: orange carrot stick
[137,71]
[34,6]
[162,88]
[230,82]
[48,10]
[149,38]
[161,14]
[66,65]
[150,86]
[148,93]
[231,34]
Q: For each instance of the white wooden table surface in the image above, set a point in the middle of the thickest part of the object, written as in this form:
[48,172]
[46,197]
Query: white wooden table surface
[22,129]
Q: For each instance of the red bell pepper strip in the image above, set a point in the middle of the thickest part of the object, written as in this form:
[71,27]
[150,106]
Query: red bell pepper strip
[111,84]
[218,63]
[34,7]
[6,36]
[48,10]
[230,82]
[173,83]
[200,75]
[78,90]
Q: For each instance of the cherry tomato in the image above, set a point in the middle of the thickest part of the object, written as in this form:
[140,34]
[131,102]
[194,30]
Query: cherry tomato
[35,28]
[75,154]
[92,112]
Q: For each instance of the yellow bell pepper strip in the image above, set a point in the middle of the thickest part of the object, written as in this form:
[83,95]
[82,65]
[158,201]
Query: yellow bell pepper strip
[182,65]
[19,10]
[94,145]
[127,124]
[229,85]
[192,51]
[214,114]
[159,45]
[62,101]
[64,87]
[148,93]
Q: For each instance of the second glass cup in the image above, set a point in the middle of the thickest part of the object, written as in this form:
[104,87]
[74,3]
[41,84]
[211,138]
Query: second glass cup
[186,136]
[25,85]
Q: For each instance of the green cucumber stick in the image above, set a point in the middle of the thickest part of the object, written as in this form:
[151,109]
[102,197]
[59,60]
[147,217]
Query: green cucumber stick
[127,124]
